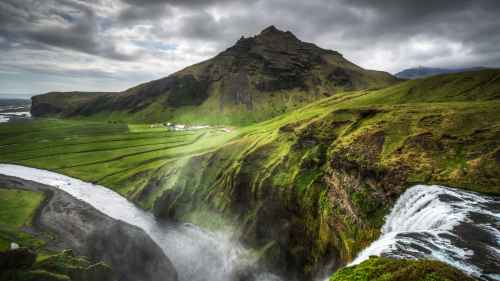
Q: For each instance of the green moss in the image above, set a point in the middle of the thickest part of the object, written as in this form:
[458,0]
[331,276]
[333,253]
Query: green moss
[386,269]
[17,207]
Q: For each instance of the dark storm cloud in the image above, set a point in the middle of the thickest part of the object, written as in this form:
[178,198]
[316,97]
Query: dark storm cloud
[399,17]
[355,25]
[147,13]
[157,37]
[356,22]
[183,3]
[60,23]
[473,24]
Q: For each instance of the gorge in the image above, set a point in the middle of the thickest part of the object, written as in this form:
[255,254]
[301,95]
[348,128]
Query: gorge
[417,227]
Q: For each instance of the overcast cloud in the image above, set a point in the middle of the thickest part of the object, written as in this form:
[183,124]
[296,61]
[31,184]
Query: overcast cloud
[110,45]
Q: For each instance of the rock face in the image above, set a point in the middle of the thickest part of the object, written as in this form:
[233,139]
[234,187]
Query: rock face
[132,254]
[257,78]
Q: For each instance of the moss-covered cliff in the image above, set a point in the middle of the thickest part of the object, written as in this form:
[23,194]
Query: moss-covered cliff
[312,186]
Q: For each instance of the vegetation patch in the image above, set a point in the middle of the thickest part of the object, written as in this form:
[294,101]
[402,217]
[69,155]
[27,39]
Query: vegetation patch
[387,269]
[63,266]
[17,208]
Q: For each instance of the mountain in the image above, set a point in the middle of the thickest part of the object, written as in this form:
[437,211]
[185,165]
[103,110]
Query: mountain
[422,72]
[257,78]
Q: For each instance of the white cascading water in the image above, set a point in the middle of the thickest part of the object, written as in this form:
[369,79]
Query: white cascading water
[453,226]
[197,254]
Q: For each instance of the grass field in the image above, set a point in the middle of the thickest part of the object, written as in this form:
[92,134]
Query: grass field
[17,208]
[101,152]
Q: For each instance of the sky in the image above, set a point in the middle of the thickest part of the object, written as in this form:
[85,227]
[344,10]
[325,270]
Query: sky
[111,45]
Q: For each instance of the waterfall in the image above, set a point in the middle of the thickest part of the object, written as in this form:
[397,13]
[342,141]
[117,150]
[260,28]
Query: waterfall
[459,228]
[197,254]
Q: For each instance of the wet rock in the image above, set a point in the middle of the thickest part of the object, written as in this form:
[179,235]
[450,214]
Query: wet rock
[133,255]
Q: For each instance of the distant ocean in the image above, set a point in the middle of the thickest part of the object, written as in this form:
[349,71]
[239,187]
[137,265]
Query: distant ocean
[14,107]
[4,96]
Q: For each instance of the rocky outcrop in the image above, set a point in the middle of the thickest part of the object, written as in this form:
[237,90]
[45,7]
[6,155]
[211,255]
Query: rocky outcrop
[132,254]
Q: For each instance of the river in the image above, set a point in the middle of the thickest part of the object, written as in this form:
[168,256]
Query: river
[197,254]
[457,227]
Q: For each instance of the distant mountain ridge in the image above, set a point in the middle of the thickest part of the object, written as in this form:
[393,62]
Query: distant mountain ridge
[422,71]
[258,78]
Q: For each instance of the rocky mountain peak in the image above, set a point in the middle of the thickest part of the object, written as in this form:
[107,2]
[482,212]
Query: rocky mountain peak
[271,39]
[273,32]
[270,29]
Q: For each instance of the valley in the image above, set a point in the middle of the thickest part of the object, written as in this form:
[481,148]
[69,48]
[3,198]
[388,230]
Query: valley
[323,176]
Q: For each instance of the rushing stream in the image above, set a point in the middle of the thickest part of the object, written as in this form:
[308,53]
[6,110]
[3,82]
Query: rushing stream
[457,227]
[197,254]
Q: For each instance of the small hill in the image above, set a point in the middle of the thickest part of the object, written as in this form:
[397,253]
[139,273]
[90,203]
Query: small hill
[422,72]
[257,78]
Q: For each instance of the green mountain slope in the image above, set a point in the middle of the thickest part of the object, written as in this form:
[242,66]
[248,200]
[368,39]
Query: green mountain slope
[307,187]
[257,78]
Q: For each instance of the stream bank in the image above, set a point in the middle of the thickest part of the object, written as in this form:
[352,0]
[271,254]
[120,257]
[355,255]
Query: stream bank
[131,253]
